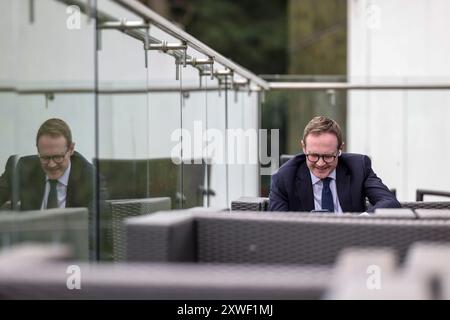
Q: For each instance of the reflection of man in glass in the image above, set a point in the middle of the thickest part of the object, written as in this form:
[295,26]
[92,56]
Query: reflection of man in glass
[58,177]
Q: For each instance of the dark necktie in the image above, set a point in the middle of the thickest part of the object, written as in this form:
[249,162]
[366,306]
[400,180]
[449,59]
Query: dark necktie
[52,200]
[327,197]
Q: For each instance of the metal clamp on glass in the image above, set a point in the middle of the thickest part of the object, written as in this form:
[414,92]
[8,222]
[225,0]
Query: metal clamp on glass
[199,63]
[205,71]
[241,83]
[123,25]
[164,46]
[222,77]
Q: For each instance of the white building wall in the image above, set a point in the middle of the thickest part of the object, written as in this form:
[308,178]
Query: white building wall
[404,132]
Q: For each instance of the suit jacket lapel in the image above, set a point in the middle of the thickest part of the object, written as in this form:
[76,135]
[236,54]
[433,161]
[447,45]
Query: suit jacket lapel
[343,187]
[36,192]
[72,184]
[303,188]
[40,191]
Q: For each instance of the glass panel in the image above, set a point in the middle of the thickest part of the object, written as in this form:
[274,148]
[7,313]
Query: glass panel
[43,85]
[242,143]
[123,128]
[249,105]
[164,174]
[216,142]
[236,149]
[194,167]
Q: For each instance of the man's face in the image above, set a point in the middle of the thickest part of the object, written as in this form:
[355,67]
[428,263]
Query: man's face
[326,145]
[54,155]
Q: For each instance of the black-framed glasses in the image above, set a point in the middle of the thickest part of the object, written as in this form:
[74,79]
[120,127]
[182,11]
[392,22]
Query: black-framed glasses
[58,158]
[327,158]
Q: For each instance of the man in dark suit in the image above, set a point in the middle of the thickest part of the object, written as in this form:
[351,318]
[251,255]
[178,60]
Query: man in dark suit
[58,177]
[324,178]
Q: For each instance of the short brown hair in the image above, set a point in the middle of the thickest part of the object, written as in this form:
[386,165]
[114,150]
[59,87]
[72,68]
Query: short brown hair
[55,128]
[320,125]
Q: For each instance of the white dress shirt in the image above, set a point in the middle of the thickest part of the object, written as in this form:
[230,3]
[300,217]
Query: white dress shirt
[61,189]
[317,185]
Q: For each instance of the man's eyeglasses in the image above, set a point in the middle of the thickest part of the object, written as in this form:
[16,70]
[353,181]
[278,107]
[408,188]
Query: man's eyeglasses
[327,158]
[59,158]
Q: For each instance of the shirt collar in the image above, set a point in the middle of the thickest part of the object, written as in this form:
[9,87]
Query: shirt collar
[314,179]
[64,179]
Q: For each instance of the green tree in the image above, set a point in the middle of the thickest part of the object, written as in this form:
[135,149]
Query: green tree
[251,33]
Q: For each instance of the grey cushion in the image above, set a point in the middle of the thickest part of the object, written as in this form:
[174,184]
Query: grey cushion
[397,213]
[121,209]
[426,205]
[288,238]
[39,278]
[250,204]
[161,237]
[68,226]
[433,213]
[282,238]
